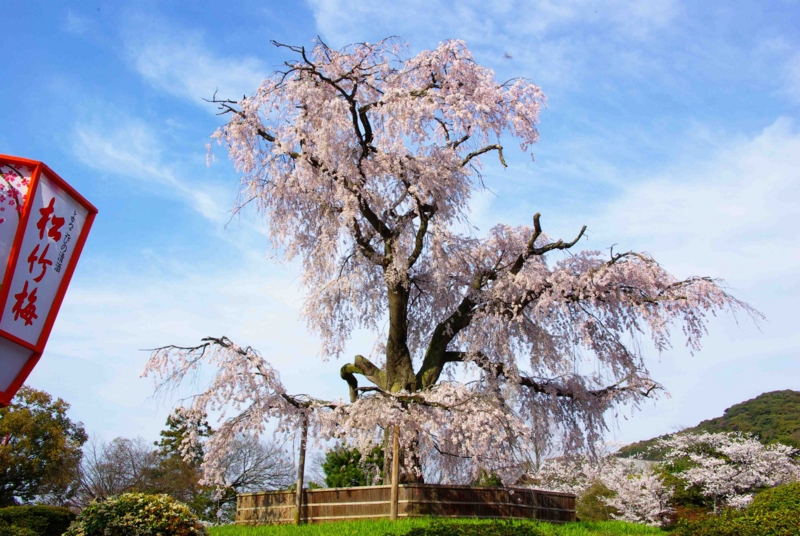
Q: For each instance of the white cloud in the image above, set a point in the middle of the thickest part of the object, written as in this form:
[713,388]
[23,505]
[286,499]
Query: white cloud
[114,311]
[729,214]
[129,148]
[180,63]
[560,44]
[480,21]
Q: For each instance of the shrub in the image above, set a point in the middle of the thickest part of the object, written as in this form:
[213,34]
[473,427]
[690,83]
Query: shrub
[783,497]
[42,520]
[488,480]
[137,514]
[591,505]
[11,530]
[495,528]
[685,513]
[737,523]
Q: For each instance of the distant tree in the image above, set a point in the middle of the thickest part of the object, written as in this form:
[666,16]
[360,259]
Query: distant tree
[344,467]
[487,479]
[40,449]
[252,465]
[173,437]
[608,486]
[177,471]
[728,468]
[121,466]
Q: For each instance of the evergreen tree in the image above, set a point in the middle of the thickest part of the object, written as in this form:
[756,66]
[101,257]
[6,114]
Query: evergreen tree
[345,468]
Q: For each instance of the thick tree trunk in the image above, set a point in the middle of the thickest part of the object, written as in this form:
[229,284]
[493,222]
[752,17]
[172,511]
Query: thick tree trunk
[399,369]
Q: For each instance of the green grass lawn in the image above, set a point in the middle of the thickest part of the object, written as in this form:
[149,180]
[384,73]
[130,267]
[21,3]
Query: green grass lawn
[384,527]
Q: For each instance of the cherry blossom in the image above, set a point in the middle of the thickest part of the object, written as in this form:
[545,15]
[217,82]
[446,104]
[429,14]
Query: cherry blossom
[730,467]
[363,162]
[14,183]
[638,494]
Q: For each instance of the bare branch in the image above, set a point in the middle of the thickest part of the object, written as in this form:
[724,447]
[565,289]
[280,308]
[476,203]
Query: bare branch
[494,147]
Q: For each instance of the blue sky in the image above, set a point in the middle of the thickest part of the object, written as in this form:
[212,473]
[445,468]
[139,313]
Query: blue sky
[671,128]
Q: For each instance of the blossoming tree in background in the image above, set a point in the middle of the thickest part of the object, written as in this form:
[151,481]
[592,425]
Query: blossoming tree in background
[633,490]
[730,467]
[363,162]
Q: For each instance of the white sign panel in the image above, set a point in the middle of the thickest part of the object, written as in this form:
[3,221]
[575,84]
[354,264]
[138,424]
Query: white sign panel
[14,358]
[51,233]
[44,223]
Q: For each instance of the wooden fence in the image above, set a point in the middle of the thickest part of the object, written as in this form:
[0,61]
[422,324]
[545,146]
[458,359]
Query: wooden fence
[415,500]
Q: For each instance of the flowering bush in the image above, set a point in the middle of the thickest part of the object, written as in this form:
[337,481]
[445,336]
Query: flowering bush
[137,514]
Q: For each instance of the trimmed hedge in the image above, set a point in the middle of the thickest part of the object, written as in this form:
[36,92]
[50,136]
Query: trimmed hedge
[41,520]
[11,530]
[736,523]
[137,514]
[496,528]
[783,497]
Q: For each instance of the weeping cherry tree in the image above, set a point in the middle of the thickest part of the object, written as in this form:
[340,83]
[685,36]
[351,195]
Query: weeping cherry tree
[363,162]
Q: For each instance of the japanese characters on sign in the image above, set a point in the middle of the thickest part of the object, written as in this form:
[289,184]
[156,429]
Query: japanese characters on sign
[48,243]
[43,224]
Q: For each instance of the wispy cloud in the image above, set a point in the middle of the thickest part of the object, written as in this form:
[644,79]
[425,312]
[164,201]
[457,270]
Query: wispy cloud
[778,65]
[726,215]
[76,24]
[180,63]
[726,209]
[555,41]
[114,310]
[482,21]
[128,147]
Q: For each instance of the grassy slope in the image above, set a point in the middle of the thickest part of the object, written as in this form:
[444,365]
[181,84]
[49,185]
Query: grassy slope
[773,417]
[383,527]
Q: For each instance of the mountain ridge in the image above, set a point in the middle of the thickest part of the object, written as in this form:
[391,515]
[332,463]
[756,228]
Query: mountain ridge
[773,416]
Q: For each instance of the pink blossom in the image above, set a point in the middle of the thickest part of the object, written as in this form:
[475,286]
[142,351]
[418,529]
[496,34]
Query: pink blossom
[363,164]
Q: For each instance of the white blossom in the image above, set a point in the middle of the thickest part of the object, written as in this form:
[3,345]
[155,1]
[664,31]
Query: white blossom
[730,467]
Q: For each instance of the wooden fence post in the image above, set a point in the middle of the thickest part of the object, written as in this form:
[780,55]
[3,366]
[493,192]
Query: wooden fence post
[301,464]
[395,473]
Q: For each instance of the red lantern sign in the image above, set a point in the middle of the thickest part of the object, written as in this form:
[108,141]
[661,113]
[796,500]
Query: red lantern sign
[43,226]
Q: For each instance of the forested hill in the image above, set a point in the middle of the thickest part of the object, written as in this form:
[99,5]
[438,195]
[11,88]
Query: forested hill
[773,417]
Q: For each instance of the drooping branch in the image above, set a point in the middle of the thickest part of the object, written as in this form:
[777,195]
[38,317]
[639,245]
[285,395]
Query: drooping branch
[551,387]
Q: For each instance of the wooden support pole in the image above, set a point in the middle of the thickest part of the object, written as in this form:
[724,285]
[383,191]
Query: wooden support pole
[395,473]
[301,465]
